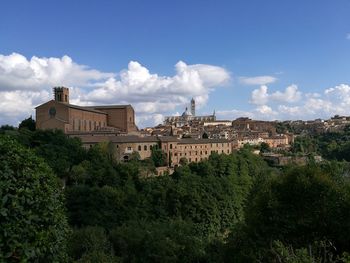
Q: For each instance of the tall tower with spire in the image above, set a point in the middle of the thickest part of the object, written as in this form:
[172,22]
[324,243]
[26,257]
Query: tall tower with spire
[193,107]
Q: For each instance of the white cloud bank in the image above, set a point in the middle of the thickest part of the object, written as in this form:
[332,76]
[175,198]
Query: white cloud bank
[25,84]
[290,95]
[292,104]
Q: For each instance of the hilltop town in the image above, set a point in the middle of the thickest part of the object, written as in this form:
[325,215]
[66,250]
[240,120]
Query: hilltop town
[185,138]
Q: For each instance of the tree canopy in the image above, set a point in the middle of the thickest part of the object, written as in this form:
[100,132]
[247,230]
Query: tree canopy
[32,215]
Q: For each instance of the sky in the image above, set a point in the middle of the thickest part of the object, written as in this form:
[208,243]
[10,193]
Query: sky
[269,60]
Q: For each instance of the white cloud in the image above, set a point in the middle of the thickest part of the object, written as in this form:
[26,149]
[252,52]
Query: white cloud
[265,110]
[262,112]
[261,96]
[259,80]
[28,83]
[144,120]
[18,73]
[233,114]
[151,93]
[18,105]
[332,101]
[290,95]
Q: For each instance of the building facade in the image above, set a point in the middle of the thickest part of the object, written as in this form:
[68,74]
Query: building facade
[189,117]
[193,150]
[60,114]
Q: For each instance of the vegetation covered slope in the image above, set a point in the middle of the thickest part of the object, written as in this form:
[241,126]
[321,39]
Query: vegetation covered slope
[230,208]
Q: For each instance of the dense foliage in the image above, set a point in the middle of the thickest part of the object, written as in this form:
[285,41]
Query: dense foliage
[229,208]
[32,216]
[331,145]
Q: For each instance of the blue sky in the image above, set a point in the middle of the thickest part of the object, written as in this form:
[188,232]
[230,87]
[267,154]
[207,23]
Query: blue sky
[300,50]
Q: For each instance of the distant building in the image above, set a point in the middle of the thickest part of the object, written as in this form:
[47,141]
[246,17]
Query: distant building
[193,107]
[60,114]
[244,124]
[188,117]
[193,150]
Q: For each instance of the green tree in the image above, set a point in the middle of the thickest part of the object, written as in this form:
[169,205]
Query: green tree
[90,244]
[183,161]
[28,123]
[302,206]
[158,241]
[32,216]
[158,156]
[264,147]
[60,152]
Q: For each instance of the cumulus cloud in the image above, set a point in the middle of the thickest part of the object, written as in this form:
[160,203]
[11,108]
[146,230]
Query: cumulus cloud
[19,73]
[17,105]
[290,95]
[25,83]
[261,96]
[259,80]
[335,100]
[153,94]
[289,104]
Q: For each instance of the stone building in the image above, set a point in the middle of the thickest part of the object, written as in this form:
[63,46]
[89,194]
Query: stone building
[246,124]
[276,141]
[124,146]
[193,150]
[60,114]
[189,117]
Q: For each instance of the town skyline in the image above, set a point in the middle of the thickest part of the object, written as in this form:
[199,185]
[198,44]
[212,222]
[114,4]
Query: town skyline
[268,61]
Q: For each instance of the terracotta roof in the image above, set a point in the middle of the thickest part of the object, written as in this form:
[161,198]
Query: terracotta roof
[82,108]
[137,139]
[117,139]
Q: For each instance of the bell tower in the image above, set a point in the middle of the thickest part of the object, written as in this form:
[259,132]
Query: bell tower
[193,107]
[61,94]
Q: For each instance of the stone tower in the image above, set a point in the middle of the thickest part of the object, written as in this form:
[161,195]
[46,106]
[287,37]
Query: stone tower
[61,94]
[193,107]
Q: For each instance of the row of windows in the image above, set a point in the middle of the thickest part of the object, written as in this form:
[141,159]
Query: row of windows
[196,153]
[87,125]
[195,147]
[144,147]
[185,154]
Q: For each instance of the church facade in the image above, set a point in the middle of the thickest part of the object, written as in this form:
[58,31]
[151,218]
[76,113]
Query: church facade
[188,117]
[60,114]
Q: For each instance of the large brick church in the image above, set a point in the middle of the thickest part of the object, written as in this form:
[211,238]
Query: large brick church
[60,114]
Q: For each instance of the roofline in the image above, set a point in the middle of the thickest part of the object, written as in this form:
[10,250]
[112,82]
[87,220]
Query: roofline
[84,108]
[110,106]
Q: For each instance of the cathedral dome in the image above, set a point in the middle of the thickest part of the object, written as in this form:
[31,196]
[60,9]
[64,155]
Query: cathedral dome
[186,113]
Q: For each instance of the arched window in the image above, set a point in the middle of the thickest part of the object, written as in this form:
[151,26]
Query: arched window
[171,146]
[139,147]
[145,147]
